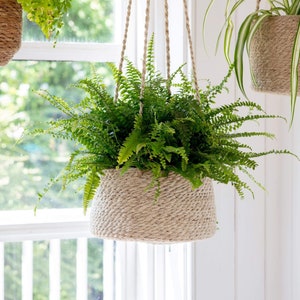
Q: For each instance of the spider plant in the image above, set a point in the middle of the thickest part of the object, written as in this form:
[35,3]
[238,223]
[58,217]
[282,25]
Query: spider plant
[245,34]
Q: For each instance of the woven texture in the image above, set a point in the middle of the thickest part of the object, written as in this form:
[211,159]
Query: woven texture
[271,54]
[10,29]
[124,208]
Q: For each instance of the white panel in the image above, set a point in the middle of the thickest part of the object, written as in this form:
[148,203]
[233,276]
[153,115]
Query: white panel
[54,270]
[126,271]
[215,257]
[159,272]
[145,271]
[250,222]
[27,270]
[176,285]
[81,269]
[295,175]
[214,260]
[279,208]
[108,269]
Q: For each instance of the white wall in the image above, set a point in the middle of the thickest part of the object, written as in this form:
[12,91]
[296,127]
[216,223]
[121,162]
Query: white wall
[255,254]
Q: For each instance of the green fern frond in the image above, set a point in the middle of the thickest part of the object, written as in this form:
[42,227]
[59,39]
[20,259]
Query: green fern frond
[132,143]
[91,184]
[57,102]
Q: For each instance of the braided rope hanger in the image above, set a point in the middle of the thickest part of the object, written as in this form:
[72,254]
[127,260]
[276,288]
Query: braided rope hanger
[167,40]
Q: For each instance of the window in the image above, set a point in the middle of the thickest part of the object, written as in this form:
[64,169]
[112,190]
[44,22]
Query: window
[52,256]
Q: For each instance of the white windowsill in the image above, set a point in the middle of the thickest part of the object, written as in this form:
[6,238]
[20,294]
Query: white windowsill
[47,224]
[69,51]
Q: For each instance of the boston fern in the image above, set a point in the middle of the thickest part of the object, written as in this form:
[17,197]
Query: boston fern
[174,131]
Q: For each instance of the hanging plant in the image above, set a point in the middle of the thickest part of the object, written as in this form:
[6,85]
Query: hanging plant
[176,133]
[150,152]
[47,14]
[272,40]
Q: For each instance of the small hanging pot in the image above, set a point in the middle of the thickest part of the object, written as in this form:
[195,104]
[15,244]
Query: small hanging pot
[10,29]
[125,208]
[271,54]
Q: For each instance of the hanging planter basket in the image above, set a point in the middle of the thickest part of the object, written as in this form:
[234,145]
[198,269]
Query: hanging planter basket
[10,29]
[271,54]
[125,208]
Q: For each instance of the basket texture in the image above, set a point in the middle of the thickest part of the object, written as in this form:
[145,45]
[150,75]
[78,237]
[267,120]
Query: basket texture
[10,29]
[271,54]
[125,208]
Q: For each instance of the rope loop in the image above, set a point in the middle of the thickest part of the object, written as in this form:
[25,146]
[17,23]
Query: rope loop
[167,40]
[188,29]
[124,43]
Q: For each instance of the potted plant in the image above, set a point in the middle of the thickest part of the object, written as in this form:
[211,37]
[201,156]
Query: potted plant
[272,40]
[168,138]
[46,14]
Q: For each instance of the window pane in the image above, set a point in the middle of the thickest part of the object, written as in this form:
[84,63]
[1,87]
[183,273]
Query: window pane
[28,166]
[41,270]
[86,21]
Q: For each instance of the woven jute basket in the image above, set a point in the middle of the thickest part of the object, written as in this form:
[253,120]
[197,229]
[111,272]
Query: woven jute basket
[125,208]
[271,54]
[10,29]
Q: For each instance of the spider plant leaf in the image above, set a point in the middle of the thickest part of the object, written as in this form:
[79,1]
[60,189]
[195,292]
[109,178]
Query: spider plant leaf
[227,24]
[295,8]
[204,22]
[294,72]
[252,31]
[227,40]
[241,42]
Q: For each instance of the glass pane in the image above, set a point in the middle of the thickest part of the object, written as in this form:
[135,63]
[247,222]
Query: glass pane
[86,21]
[95,269]
[28,166]
[41,276]
[13,271]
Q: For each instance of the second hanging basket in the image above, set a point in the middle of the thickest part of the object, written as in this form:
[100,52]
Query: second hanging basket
[271,54]
[179,214]
[10,29]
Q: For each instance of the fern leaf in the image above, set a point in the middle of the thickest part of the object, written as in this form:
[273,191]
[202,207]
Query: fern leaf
[132,143]
[90,188]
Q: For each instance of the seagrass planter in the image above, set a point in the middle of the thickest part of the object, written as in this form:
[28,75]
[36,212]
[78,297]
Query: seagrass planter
[125,208]
[10,29]
[271,54]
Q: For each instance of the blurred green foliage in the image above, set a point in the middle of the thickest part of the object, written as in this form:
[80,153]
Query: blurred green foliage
[28,163]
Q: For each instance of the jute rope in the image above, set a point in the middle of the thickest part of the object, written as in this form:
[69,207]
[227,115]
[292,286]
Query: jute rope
[167,36]
[188,29]
[143,81]
[124,209]
[124,43]
[10,29]
[271,54]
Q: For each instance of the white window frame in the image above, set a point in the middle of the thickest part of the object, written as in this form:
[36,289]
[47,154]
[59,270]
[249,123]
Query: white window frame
[143,271]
